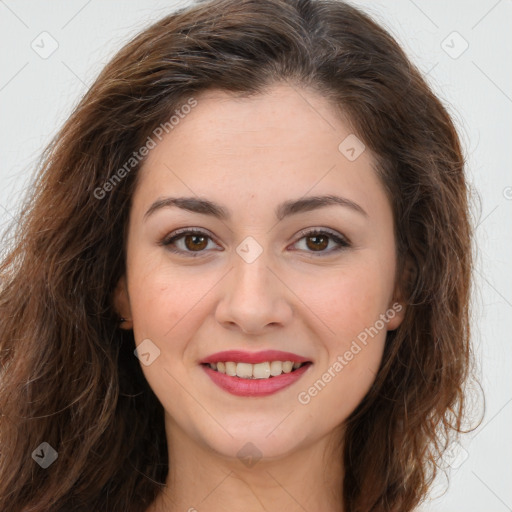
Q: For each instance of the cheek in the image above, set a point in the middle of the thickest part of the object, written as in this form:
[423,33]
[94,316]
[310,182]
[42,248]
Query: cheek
[159,294]
[166,309]
[351,305]
[169,305]
[161,303]
[351,299]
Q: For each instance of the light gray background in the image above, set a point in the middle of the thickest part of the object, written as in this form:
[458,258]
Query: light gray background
[37,94]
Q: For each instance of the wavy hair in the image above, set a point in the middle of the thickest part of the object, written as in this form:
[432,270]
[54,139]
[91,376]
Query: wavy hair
[68,373]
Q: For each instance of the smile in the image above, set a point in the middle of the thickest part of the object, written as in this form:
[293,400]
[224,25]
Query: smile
[264,370]
[254,374]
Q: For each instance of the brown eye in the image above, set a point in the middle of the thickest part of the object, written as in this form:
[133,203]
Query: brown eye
[318,242]
[195,242]
[187,242]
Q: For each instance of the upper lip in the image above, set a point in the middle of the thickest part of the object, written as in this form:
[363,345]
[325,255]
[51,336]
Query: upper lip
[241,356]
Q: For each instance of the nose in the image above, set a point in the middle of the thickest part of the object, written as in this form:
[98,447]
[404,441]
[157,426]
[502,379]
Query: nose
[254,298]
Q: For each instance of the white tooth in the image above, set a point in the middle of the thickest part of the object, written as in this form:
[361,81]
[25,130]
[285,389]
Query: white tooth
[221,367]
[261,371]
[244,370]
[287,366]
[213,366]
[231,368]
[295,366]
[276,368]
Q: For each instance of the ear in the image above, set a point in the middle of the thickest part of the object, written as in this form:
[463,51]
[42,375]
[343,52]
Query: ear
[398,305]
[122,304]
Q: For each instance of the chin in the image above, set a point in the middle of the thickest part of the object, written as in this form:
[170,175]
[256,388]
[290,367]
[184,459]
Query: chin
[258,439]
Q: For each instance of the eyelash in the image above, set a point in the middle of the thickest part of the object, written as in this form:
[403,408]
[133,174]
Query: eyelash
[342,242]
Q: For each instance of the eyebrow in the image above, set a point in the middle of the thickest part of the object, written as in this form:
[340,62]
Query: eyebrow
[292,207]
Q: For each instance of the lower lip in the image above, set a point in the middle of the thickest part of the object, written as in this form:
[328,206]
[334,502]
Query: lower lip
[255,387]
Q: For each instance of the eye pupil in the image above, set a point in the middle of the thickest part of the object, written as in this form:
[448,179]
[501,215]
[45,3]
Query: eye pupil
[194,245]
[318,237]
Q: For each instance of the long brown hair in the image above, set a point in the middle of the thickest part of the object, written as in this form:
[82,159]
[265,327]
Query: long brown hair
[69,376]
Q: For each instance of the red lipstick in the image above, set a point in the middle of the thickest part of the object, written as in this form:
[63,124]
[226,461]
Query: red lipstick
[239,356]
[251,387]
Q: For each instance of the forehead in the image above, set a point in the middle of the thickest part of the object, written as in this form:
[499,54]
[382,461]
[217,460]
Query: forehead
[285,141]
[279,119]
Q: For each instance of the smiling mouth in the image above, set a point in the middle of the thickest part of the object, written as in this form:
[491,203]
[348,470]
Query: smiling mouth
[265,370]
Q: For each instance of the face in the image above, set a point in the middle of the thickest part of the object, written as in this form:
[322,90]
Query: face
[314,279]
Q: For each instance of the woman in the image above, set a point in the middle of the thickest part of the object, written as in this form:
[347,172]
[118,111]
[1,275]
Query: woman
[242,277]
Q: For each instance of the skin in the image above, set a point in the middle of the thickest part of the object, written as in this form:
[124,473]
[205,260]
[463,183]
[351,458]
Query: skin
[250,155]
